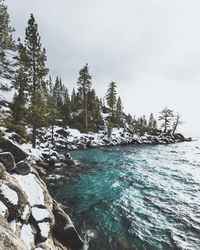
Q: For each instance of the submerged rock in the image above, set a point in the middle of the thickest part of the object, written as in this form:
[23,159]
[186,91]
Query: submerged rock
[124,244]
[64,230]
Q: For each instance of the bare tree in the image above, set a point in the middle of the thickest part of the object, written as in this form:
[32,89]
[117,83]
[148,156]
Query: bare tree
[176,123]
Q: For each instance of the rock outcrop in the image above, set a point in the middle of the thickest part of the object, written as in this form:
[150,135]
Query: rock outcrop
[29,217]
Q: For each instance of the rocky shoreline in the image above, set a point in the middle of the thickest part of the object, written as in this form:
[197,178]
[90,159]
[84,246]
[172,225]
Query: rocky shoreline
[29,217]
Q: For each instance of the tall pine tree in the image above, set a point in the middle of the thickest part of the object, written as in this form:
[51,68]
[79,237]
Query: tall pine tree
[84,83]
[119,111]
[37,72]
[7,45]
[111,97]
[20,84]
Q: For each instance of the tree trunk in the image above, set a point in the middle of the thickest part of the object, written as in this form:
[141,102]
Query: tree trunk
[52,139]
[85,108]
[34,137]
[86,117]
[165,129]
[175,126]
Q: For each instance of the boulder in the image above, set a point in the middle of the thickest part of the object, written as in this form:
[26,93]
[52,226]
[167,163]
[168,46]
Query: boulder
[2,170]
[64,231]
[23,168]
[69,162]
[8,161]
[43,164]
[8,146]
[12,195]
[68,156]
[55,154]
[8,239]
[41,171]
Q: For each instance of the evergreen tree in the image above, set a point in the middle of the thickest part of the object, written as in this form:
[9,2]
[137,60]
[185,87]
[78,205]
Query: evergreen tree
[66,111]
[52,110]
[37,71]
[73,97]
[151,121]
[7,45]
[59,92]
[155,124]
[20,84]
[119,111]
[84,83]
[111,97]
[166,116]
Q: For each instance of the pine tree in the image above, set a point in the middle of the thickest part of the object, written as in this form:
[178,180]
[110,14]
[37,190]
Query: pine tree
[151,121]
[52,109]
[20,84]
[84,83]
[111,97]
[59,92]
[166,116]
[66,111]
[7,46]
[119,111]
[37,72]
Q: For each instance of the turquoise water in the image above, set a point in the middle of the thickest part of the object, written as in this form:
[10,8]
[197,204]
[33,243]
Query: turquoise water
[136,197]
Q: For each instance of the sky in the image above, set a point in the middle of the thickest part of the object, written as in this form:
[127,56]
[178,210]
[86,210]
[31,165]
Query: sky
[150,48]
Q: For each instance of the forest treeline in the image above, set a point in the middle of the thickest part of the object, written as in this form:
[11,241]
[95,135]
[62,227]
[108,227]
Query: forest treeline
[40,101]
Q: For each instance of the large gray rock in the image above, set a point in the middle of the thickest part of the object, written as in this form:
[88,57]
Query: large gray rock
[64,230]
[8,146]
[8,239]
[8,161]
[23,168]
[2,170]
[12,195]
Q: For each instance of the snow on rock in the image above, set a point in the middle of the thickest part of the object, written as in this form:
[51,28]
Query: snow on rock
[8,193]
[31,187]
[54,177]
[44,228]
[13,225]
[27,235]
[3,209]
[68,226]
[25,212]
[40,214]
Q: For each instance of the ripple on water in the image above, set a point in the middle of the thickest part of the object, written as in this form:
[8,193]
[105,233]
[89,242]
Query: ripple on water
[136,197]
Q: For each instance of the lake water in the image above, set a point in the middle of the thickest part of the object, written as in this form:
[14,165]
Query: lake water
[136,197]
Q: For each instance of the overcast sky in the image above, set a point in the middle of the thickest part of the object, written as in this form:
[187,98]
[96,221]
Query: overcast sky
[150,48]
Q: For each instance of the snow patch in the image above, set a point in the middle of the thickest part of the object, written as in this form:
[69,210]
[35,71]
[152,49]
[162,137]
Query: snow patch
[67,226]
[27,235]
[25,212]
[40,213]
[10,194]
[13,225]
[54,177]
[32,189]
[44,228]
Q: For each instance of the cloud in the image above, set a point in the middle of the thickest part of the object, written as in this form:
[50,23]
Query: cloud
[151,48]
